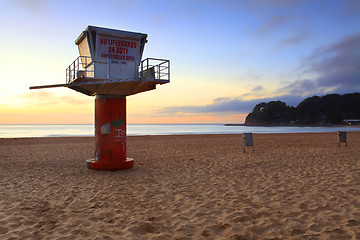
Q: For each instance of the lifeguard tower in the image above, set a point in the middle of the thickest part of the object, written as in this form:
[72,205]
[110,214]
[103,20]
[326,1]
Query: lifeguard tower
[110,68]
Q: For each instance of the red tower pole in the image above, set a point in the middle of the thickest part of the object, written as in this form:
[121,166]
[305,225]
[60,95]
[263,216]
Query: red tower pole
[110,134]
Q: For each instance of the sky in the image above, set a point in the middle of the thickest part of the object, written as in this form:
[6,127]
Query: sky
[226,56]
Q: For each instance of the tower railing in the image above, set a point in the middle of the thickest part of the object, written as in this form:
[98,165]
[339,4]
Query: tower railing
[154,68]
[83,66]
[150,69]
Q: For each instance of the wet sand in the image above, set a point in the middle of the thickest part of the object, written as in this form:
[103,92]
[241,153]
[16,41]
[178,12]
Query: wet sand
[294,186]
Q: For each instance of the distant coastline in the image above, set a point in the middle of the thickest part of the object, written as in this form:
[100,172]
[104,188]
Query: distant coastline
[291,125]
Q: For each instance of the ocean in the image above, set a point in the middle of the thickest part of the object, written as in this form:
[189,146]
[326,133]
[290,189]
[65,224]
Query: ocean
[80,130]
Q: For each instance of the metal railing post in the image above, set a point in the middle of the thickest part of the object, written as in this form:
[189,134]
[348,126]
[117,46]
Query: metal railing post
[108,68]
[74,69]
[147,66]
[169,70]
[158,70]
[77,64]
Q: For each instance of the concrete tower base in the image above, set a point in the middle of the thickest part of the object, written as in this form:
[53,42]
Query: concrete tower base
[110,134]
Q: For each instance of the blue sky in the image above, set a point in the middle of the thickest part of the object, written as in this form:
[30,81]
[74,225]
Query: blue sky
[226,56]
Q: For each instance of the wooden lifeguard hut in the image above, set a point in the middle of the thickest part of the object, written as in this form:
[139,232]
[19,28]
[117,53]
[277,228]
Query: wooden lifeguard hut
[110,67]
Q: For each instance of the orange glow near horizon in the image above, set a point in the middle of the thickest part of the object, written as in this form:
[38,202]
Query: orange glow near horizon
[88,118]
[47,118]
[49,107]
[235,118]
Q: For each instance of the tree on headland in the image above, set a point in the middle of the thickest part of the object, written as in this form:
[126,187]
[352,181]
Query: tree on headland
[274,112]
[328,109]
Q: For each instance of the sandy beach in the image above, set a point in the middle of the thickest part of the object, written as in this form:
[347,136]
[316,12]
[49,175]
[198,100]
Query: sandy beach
[294,186]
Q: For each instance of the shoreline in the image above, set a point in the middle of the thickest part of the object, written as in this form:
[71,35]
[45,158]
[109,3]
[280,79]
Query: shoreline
[180,134]
[15,131]
[292,125]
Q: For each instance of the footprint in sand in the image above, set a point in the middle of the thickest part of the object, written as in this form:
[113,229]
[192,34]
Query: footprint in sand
[353,223]
[338,218]
[3,230]
[145,228]
[303,205]
[242,219]
[220,228]
[296,231]
[317,227]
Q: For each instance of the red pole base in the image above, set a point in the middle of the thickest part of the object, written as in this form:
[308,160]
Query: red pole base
[110,165]
[110,134]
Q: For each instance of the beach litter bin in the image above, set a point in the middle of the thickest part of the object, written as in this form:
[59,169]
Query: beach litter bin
[248,141]
[342,138]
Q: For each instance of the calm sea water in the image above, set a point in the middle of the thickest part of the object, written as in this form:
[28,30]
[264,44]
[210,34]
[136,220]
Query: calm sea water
[73,130]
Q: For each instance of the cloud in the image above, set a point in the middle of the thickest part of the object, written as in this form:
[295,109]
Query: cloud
[44,98]
[39,95]
[257,88]
[158,18]
[351,6]
[227,106]
[41,98]
[293,40]
[273,23]
[337,68]
[219,105]
[268,5]
[32,5]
